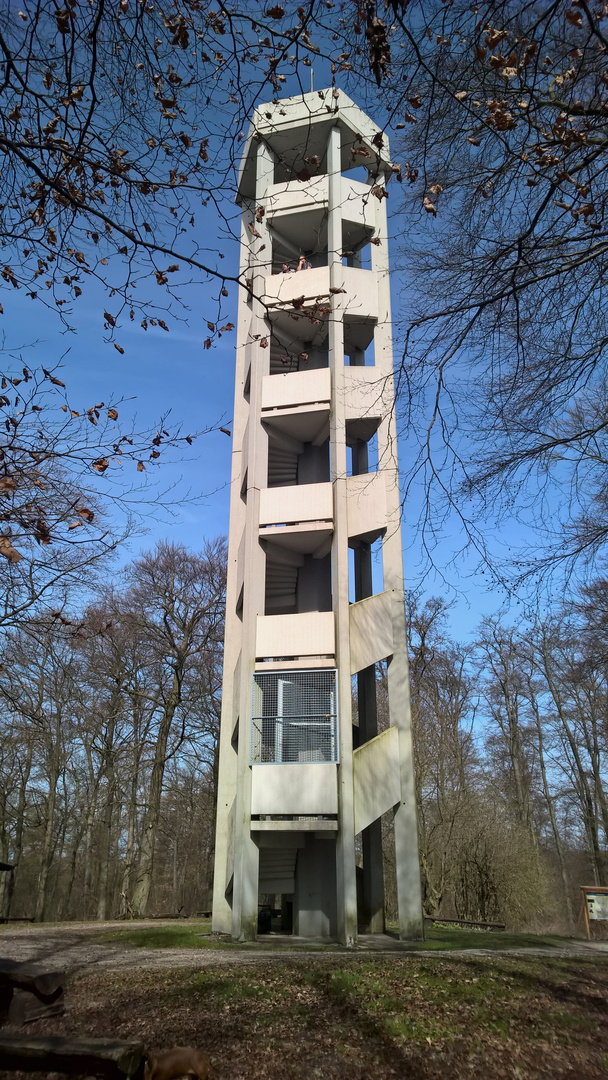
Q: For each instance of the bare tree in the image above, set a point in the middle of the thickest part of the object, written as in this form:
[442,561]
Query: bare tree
[504,109]
[117,121]
[178,601]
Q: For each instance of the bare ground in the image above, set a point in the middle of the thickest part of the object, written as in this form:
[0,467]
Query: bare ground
[76,947]
[375,1013]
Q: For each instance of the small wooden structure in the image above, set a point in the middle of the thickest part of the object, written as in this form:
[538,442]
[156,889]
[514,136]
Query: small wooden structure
[111,1058]
[595,905]
[29,992]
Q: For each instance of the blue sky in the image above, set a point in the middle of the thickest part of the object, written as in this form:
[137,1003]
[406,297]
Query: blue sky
[161,371]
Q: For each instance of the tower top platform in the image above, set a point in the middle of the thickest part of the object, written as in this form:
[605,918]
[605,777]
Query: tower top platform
[296,129]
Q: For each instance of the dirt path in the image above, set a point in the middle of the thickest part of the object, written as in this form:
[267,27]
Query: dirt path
[75,947]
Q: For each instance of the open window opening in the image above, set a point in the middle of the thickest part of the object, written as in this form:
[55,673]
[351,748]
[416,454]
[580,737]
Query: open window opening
[303,463]
[305,161]
[359,341]
[297,356]
[356,171]
[296,581]
[365,570]
[360,258]
[356,234]
[299,235]
[362,455]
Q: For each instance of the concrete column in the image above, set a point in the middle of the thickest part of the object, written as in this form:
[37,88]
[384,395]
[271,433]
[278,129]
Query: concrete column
[406,824]
[227,773]
[246,854]
[371,918]
[345,848]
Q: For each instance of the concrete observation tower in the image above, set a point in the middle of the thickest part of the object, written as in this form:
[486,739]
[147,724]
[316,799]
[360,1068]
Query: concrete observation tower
[315,573]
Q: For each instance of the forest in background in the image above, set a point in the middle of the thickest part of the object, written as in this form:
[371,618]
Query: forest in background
[117,122]
[108,752]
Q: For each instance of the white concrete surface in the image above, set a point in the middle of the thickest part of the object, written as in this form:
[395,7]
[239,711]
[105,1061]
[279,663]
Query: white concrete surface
[307,634]
[376,777]
[371,631]
[297,788]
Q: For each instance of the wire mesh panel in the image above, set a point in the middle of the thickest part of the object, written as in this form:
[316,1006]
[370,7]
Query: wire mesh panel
[294,716]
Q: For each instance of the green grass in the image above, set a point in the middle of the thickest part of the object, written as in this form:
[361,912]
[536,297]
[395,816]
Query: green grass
[437,937]
[355,1016]
[197,935]
[193,935]
[209,986]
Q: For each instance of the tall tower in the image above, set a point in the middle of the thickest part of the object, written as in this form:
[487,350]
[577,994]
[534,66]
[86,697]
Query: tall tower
[315,573]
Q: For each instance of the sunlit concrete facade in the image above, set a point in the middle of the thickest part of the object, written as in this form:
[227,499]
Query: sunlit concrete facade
[315,575]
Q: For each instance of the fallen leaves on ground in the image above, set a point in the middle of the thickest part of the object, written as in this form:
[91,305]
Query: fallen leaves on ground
[352,1018]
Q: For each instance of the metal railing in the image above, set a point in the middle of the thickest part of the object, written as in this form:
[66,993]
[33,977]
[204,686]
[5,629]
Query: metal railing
[294,717]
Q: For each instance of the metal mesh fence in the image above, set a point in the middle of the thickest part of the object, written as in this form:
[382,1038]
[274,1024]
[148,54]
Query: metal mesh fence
[294,716]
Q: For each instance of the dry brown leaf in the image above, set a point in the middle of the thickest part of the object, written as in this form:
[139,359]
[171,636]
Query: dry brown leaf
[9,552]
[55,382]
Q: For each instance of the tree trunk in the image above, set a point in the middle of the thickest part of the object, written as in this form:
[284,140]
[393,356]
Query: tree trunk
[143,884]
[48,846]
[551,807]
[17,845]
[105,838]
[580,780]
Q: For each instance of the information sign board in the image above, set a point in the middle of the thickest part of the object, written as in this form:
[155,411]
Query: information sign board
[595,905]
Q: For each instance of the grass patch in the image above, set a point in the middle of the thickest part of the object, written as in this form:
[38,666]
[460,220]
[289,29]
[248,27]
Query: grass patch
[205,986]
[195,935]
[357,1016]
[438,937]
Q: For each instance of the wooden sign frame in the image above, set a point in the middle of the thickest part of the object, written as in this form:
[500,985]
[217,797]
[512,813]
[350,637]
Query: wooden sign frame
[592,890]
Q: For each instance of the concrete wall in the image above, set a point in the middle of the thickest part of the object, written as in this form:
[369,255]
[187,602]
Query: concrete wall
[371,631]
[298,788]
[299,503]
[366,506]
[296,388]
[376,777]
[360,295]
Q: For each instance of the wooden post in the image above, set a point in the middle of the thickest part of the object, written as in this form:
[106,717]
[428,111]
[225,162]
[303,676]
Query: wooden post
[586,912]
